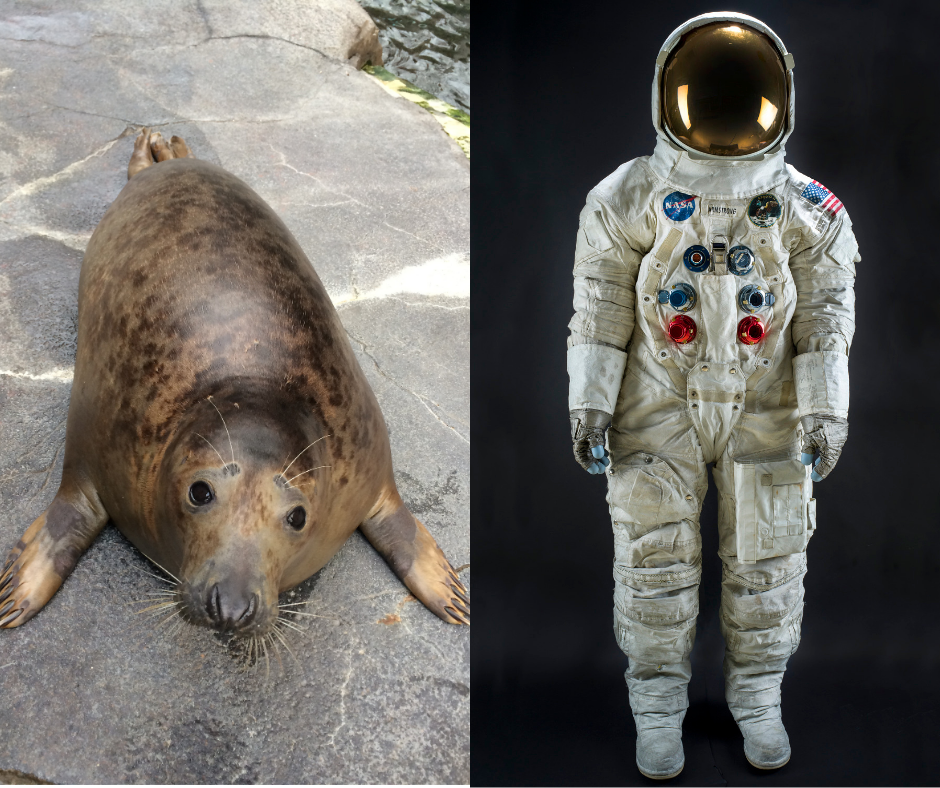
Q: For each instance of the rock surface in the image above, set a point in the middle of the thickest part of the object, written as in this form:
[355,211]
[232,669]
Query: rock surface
[377,688]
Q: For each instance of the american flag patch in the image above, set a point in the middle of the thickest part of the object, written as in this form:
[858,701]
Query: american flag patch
[819,195]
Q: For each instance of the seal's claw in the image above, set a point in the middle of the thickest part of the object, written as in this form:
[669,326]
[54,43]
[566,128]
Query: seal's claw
[8,621]
[457,617]
[13,601]
[461,592]
[7,592]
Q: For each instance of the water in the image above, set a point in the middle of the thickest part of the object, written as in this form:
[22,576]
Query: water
[427,43]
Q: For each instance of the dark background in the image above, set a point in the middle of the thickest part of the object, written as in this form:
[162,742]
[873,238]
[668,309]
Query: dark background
[563,98]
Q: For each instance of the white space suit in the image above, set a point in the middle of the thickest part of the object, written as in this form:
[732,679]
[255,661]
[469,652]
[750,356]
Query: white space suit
[714,309]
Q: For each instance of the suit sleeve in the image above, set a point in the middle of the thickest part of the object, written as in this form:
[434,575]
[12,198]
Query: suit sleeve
[823,325]
[607,260]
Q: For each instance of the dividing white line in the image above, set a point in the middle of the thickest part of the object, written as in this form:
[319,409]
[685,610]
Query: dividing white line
[58,375]
[444,276]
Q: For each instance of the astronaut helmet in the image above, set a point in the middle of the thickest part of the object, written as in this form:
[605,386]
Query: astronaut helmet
[723,88]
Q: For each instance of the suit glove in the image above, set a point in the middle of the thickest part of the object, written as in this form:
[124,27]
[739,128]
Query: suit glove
[823,439]
[588,430]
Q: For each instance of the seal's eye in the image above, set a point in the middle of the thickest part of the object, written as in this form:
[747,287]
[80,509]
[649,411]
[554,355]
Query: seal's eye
[200,493]
[296,518]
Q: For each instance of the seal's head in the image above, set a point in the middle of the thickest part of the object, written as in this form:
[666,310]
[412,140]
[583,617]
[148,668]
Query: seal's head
[245,498]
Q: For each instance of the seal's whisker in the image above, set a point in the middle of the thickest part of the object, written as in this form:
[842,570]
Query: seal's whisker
[226,428]
[162,569]
[142,602]
[176,627]
[161,579]
[277,651]
[289,650]
[311,615]
[310,471]
[267,662]
[170,617]
[295,458]
[289,622]
[212,447]
[291,625]
[160,606]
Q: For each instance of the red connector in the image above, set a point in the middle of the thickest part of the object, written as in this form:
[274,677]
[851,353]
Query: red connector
[681,329]
[751,330]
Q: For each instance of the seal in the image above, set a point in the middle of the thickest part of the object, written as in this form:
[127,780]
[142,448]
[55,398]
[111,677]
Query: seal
[218,415]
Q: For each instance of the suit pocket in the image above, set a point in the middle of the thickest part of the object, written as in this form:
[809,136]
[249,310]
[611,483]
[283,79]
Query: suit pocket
[772,503]
[644,490]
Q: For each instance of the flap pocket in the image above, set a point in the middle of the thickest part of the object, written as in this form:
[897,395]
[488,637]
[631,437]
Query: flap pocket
[595,233]
[643,489]
[771,507]
[768,608]
[659,611]
[844,249]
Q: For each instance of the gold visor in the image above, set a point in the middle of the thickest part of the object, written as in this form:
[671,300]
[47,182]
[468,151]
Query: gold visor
[724,90]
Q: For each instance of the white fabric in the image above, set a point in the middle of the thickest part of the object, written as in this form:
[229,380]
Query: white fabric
[724,179]
[822,383]
[713,400]
[595,373]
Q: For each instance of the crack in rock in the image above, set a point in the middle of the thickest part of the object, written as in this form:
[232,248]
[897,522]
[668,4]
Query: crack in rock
[76,241]
[205,17]
[423,240]
[48,472]
[262,36]
[33,186]
[92,114]
[423,399]
[342,702]
[283,163]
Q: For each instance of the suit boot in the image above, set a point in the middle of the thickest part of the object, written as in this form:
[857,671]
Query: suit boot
[658,721]
[766,744]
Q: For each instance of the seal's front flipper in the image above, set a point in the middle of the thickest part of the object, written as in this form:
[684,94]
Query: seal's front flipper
[415,557]
[46,555]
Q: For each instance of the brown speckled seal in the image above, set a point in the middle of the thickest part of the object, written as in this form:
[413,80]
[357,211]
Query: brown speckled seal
[218,415]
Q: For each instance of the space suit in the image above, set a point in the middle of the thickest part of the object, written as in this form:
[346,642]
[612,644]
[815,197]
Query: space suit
[714,316]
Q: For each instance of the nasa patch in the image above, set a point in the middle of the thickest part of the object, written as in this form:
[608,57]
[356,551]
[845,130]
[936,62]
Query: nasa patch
[678,206]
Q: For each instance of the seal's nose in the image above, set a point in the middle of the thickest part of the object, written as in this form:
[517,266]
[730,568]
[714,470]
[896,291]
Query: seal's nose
[230,610]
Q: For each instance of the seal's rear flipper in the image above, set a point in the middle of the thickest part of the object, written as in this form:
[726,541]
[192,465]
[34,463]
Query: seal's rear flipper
[415,557]
[46,555]
[152,147]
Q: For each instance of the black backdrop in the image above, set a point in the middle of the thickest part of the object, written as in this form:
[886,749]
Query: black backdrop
[562,98]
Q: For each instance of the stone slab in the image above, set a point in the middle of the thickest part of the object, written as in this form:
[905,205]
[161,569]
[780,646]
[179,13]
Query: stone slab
[376,689]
